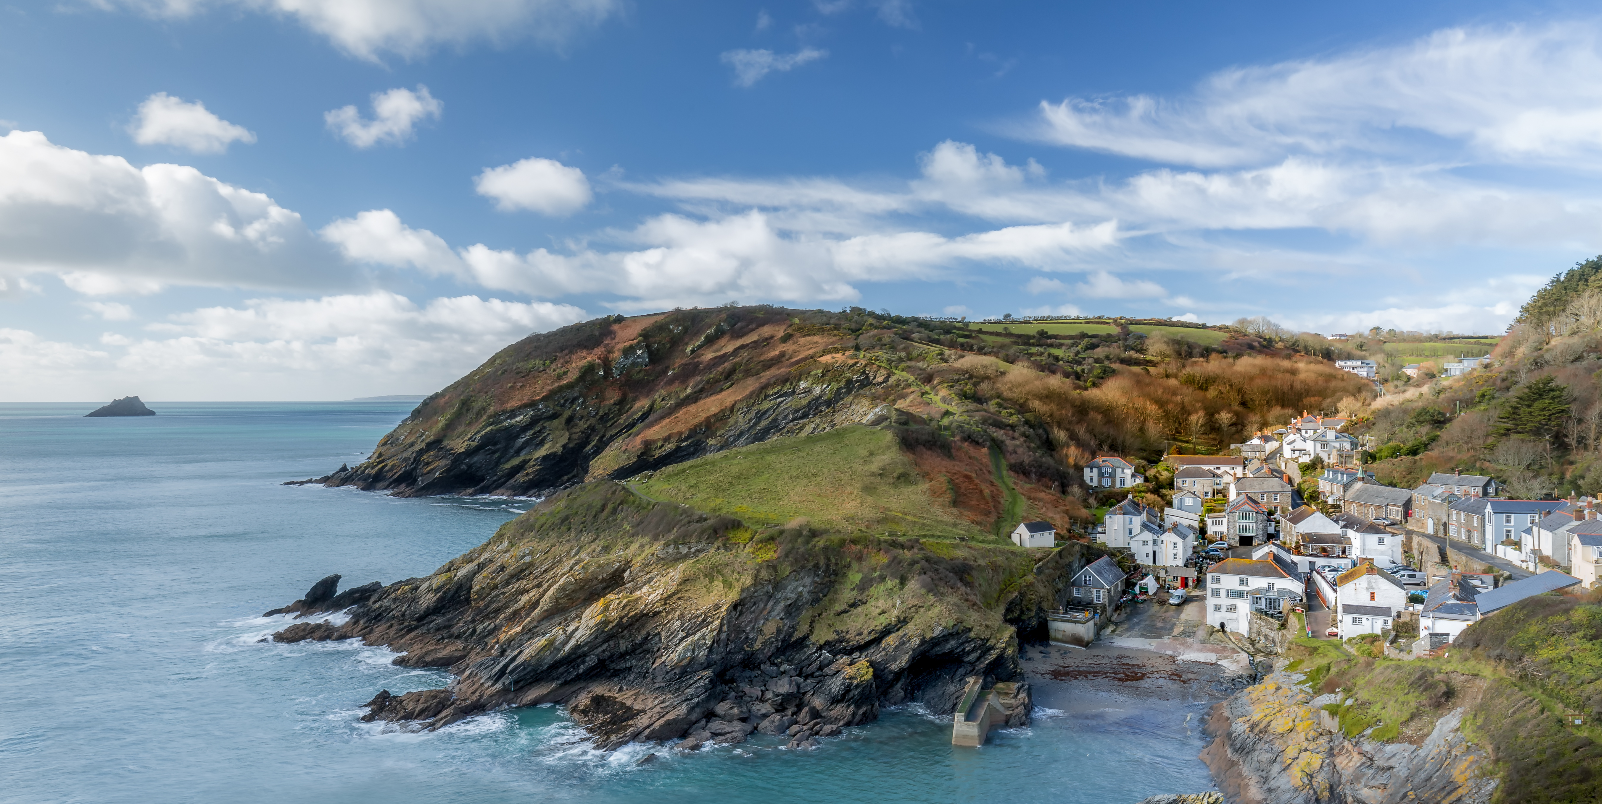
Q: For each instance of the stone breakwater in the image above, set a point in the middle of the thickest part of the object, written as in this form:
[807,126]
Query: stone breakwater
[652,622]
[1272,744]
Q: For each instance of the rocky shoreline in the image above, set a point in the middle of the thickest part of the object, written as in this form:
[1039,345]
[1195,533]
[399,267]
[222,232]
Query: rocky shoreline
[1273,744]
[653,622]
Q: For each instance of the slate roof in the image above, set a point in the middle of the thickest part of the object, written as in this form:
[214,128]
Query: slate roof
[1243,502]
[1494,599]
[1556,521]
[1479,505]
[1591,527]
[1267,568]
[1588,539]
[1300,513]
[1352,522]
[1444,600]
[1195,473]
[1361,570]
[1258,484]
[1128,507]
[1325,538]
[1366,611]
[1102,573]
[1111,462]
[1373,494]
[1445,479]
[1039,527]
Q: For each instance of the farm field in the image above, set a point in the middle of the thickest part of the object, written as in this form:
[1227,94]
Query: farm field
[1451,349]
[1207,337]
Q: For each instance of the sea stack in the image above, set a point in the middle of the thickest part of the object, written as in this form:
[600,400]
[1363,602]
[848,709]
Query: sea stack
[127,406]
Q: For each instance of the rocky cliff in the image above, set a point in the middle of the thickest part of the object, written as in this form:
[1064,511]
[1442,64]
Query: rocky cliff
[654,621]
[1274,743]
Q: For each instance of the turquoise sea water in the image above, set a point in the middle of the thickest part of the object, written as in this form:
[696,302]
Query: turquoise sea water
[137,554]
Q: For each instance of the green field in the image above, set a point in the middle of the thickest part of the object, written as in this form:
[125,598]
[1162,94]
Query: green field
[850,479]
[1450,349]
[1207,337]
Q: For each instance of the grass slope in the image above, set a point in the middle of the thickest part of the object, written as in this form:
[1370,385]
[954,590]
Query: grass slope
[1523,676]
[850,479]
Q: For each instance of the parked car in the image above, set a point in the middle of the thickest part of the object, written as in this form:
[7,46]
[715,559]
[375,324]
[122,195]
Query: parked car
[1330,569]
[1220,546]
[1212,553]
[1408,576]
[1177,598]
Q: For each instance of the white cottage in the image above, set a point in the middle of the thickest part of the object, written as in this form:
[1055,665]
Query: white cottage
[1367,600]
[1238,586]
[1124,521]
[1035,534]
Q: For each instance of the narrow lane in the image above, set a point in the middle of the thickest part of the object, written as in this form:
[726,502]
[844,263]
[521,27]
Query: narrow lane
[1465,548]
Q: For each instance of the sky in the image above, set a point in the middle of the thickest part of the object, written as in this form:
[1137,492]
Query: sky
[326,199]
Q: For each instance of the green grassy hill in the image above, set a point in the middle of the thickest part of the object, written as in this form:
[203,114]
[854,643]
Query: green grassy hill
[850,479]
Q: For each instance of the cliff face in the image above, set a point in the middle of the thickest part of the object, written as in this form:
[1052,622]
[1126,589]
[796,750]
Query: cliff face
[653,621]
[1272,744]
[616,397]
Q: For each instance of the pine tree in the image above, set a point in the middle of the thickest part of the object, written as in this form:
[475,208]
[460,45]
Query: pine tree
[1538,411]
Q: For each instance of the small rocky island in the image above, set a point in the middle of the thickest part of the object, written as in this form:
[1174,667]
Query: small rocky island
[127,406]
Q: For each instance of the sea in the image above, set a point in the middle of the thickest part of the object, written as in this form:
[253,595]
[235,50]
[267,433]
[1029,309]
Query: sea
[138,554]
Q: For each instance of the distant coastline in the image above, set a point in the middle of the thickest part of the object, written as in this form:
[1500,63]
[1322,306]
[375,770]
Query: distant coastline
[391,398]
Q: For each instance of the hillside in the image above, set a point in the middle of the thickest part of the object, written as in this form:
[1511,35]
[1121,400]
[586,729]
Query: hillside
[655,621]
[1531,420]
[1002,421]
[1514,683]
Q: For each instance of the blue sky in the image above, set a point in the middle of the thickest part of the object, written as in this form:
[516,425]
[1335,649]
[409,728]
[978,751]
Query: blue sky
[305,199]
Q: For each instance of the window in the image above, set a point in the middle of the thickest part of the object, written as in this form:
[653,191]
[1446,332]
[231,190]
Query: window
[1216,607]
[1509,519]
[1242,580]
[1214,579]
[1358,621]
[1277,498]
[1097,595]
[1381,541]
[1077,592]
[1230,607]
[1235,593]
[1372,597]
[1214,593]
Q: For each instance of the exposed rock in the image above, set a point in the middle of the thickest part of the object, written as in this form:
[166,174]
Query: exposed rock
[1210,797]
[321,598]
[127,406]
[419,705]
[575,603]
[1269,745]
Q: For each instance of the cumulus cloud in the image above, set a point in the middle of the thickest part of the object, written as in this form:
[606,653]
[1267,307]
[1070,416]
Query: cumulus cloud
[411,28]
[673,260]
[395,112]
[1104,285]
[320,348]
[107,227]
[751,65]
[540,185]
[1515,95]
[166,120]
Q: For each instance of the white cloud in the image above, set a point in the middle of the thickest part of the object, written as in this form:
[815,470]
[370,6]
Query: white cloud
[166,120]
[1041,284]
[1104,285]
[751,65]
[1516,95]
[107,227]
[411,28]
[764,21]
[110,311]
[395,112]
[320,348]
[379,237]
[541,185]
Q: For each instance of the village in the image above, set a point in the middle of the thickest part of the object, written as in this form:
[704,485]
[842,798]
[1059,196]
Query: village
[1240,546]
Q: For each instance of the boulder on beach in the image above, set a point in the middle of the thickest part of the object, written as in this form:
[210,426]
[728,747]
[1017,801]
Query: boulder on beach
[127,406]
